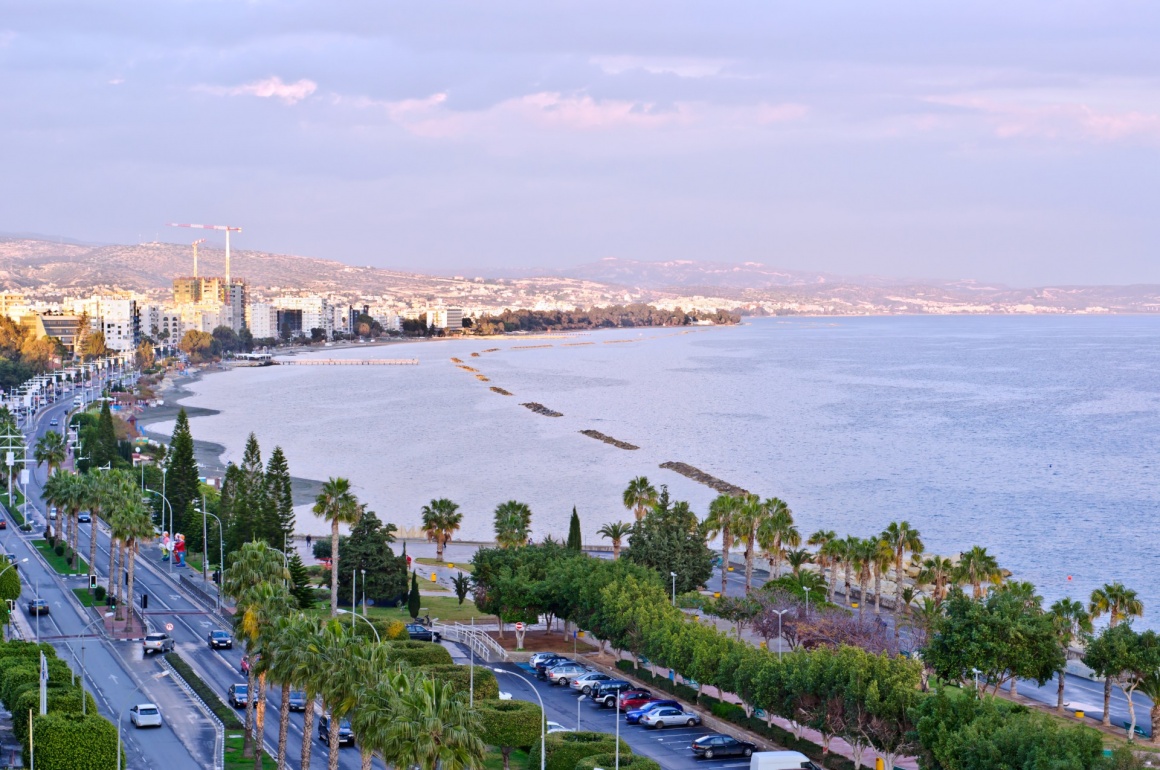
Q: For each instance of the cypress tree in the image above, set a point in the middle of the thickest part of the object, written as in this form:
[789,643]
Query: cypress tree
[279,518]
[574,543]
[300,582]
[181,480]
[248,504]
[413,598]
[105,448]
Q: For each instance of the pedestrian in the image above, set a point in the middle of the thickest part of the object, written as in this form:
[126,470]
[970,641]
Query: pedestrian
[308,541]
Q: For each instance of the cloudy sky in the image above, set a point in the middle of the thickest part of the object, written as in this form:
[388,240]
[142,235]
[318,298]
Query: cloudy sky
[1003,141]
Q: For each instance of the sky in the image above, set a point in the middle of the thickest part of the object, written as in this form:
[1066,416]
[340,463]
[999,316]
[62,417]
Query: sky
[1007,142]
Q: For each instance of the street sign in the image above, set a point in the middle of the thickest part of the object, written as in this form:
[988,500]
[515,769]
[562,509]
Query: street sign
[519,626]
[168,626]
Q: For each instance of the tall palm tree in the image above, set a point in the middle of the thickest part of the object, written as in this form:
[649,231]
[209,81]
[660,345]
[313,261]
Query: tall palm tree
[616,531]
[863,553]
[721,520]
[284,652]
[835,551]
[639,496]
[51,449]
[513,524]
[798,558]
[775,531]
[54,493]
[976,566]
[376,704]
[903,539]
[99,488]
[441,519]
[75,500]
[746,522]
[1071,621]
[849,566]
[332,651]
[1151,687]
[819,540]
[338,505]
[136,528]
[1118,602]
[433,728]
[306,671]
[879,566]
[937,572]
[260,607]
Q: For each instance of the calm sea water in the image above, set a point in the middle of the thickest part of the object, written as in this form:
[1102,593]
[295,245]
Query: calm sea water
[1036,437]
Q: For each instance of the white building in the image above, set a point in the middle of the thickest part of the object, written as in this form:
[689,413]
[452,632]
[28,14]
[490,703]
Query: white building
[317,312]
[262,320]
[450,318]
[116,317]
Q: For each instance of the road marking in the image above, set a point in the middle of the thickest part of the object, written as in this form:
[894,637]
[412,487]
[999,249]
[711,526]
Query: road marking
[114,678]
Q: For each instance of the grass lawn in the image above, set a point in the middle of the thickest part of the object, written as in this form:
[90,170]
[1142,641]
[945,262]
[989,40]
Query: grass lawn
[85,598]
[464,568]
[445,608]
[58,563]
[234,759]
[494,760]
[14,509]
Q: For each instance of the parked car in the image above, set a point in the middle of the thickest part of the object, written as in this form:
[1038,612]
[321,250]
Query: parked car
[145,715]
[297,701]
[539,657]
[633,699]
[556,727]
[781,760]
[420,633]
[158,643]
[565,673]
[633,717]
[585,682]
[665,716]
[605,693]
[37,607]
[345,734]
[709,746]
[219,640]
[85,517]
[238,695]
[546,663]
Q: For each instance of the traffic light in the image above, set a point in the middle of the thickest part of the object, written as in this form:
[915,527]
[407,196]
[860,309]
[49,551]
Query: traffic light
[144,601]
[92,582]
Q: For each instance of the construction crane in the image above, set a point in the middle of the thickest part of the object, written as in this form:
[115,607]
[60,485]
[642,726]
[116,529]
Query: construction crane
[199,240]
[228,229]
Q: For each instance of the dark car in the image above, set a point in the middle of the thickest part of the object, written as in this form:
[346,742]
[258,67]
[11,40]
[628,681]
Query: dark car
[297,701]
[3,523]
[220,640]
[605,693]
[37,607]
[543,666]
[420,633]
[84,517]
[709,746]
[633,717]
[345,734]
[238,695]
[634,698]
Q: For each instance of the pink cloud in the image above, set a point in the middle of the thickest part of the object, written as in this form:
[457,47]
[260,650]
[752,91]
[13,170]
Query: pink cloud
[1058,120]
[270,88]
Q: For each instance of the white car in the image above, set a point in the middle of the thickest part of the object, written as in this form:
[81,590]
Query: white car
[585,682]
[145,715]
[556,727]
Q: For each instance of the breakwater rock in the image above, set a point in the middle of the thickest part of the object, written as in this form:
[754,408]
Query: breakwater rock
[491,350]
[609,439]
[482,378]
[456,360]
[500,391]
[475,355]
[467,368]
[541,409]
[698,475]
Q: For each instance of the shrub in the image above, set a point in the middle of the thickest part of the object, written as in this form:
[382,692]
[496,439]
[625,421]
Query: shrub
[58,549]
[321,548]
[392,630]
[64,700]
[99,593]
[635,761]
[73,742]
[486,686]
[228,717]
[727,711]
[566,749]
[510,724]
[418,653]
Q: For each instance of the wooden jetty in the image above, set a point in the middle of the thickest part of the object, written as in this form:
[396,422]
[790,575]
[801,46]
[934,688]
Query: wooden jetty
[351,362]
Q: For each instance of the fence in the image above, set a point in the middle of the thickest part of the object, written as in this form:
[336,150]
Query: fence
[484,646]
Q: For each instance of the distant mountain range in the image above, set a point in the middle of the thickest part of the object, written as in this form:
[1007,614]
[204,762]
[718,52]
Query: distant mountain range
[43,265]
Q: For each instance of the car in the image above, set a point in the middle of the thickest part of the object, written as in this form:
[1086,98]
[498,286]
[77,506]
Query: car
[542,657]
[345,734]
[585,682]
[84,517]
[605,694]
[716,745]
[37,607]
[420,633]
[54,422]
[52,513]
[297,701]
[564,674]
[633,717]
[544,664]
[3,523]
[556,727]
[665,716]
[219,640]
[145,715]
[633,699]
[158,643]
[238,695]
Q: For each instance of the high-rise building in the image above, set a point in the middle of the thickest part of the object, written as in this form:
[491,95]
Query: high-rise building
[208,292]
[262,320]
[316,313]
[449,318]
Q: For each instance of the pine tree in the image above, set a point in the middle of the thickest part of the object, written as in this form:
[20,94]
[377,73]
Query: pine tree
[104,451]
[279,519]
[300,582]
[368,548]
[249,499]
[181,471]
[413,600]
[574,543]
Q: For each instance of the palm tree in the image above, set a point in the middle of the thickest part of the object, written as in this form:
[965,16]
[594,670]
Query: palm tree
[880,565]
[513,524]
[977,566]
[338,505]
[1151,687]
[50,449]
[332,651]
[261,606]
[136,527]
[1118,602]
[819,540]
[441,519]
[639,496]
[616,531]
[433,728]
[304,669]
[775,531]
[902,539]
[937,572]
[797,559]
[1071,621]
[284,651]
[723,513]
[54,493]
[746,521]
[849,566]
[835,551]
[862,559]
[99,487]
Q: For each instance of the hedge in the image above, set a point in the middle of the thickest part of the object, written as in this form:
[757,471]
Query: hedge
[73,742]
[208,695]
[608,761]
[64,700]
[486,686]
[418,653]
[510,724]
[566,749]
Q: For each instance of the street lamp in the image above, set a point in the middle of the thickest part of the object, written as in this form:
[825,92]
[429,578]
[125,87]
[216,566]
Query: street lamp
[165,502]
[81,636]
[363,618]
[976,672]
[544,714]
[673,575]
[10,566]
[779,613]
[807,590]
[121,718]
[221,550]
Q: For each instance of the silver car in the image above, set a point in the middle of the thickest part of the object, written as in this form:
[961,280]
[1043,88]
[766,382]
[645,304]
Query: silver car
[564,674]
[665,716]
[584,682]
[158,643]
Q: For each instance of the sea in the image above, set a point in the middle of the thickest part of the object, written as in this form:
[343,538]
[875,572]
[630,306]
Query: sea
[1036,437]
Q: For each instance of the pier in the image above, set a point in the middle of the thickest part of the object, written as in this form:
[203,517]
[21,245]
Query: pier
[351,362]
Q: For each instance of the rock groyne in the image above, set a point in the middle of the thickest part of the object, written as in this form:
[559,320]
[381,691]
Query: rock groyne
[541,409]
[500,391]
[609,440]
[698,475]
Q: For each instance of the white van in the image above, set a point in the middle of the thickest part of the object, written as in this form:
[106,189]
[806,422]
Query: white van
[781,760]
[78,401]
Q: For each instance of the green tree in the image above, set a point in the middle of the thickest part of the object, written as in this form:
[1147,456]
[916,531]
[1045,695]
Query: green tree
[746,520]
[433,727]
[639,496]
[1125,657]
[104,451]
[903,540]
[937,572]
[976,567]
[135,527]
[723,512]
[513,524]
[462,585]
[278,526]
[198,345]
[510,724]
[616,531]
[9,588]
[441,520]
[300,582]
[669,539]
[1118,602]
[413,599]
[51,450]
[368,548]
[574,542]
[1072,622]
[249,507]
[775,531]
[181,476]
[337,505]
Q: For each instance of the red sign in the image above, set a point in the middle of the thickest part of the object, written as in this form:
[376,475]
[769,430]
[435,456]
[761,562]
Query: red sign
[519,626]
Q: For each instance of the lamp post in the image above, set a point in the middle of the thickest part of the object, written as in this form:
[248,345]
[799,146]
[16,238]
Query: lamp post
[544,714]
[10,566]
[353,595]
[807,590]
[364,591]
[121,717]
[354,615]
[779,613]
[976,672]
[221,549]
[165,502]
[673,575]
[81,635]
